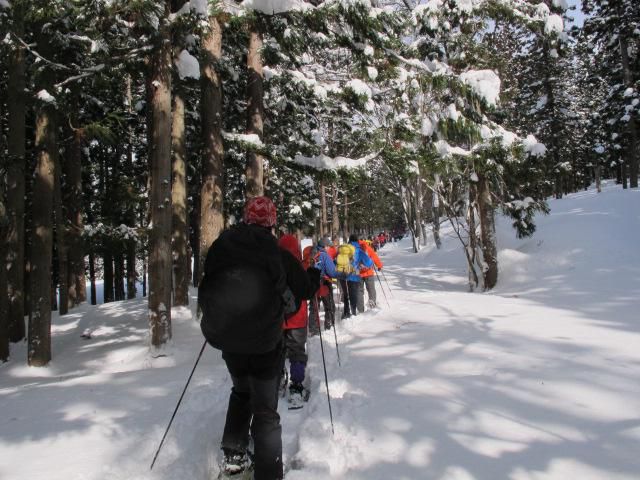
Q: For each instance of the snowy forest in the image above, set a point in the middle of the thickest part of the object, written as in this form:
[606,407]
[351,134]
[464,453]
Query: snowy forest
[133,131]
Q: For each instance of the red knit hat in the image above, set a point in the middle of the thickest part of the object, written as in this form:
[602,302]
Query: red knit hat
[260,211]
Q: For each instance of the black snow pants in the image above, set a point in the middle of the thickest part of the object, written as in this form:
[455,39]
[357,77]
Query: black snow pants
[253,408]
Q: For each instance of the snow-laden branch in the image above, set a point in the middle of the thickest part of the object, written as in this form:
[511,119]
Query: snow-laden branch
[324,162]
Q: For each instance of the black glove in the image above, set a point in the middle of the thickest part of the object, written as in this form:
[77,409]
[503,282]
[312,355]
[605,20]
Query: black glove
[314,278]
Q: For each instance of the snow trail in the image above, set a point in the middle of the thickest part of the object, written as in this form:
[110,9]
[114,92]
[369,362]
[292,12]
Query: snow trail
[536,380]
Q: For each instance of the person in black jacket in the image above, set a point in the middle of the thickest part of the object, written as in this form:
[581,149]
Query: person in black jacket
[248,284]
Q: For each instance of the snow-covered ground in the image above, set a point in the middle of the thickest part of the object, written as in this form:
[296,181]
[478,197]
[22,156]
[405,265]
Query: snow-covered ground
[538,379]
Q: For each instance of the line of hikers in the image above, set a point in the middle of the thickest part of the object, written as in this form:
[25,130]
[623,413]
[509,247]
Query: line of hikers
[352,266]
[259,299]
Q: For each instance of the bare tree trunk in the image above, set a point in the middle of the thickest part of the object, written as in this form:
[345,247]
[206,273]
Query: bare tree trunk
[558,183]
[254,171]
[160,160]
[144,277]
[632,149]
[435,208]
[15,254]
[39,349]
[77,284]
[4,300]
[179,201]
[107,272]
[345,228]
[118,262]
[323,209]
[487,233]
[63,261]
[335,215]
[92,277]
[406,202]
[195,239]
[598,170]
[131,244]
[211,194]
[472,246]
[422,241]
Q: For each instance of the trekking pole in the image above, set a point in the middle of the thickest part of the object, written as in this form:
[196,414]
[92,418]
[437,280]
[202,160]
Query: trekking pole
[324,363]
[387,282]
[177,406]
[382,288]
[336,337]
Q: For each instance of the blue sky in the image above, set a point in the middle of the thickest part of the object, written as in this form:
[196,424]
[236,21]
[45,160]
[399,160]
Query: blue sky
[577,14]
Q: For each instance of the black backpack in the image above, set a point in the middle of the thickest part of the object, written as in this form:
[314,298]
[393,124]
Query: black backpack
[241,293]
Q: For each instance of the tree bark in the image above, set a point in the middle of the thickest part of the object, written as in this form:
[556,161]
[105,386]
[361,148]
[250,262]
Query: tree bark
[632,149]
[472,246]
[487,233]
[422,241]
[15,254]
[335,216]
[77,284]
[254,171]
[345,228]
[61,242]
[323,209]
[211,195]
[131,214]
[119,276]
[179,201]
[4,300]
[435,208]
[108,281]
[160,262]
[39,342]
[92,277]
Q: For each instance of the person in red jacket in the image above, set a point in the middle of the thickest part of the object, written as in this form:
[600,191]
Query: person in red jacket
[295,336]
[368,274]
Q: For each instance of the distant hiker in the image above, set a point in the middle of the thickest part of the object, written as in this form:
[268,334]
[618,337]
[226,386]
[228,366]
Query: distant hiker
[344,267]
[248,281]
[368,274]
[295,336]
[324,263]
[357,259]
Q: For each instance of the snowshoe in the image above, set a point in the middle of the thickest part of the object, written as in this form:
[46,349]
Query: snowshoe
[235,466]
[298,395]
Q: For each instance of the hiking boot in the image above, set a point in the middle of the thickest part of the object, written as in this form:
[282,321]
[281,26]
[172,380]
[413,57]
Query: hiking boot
[372,304]
[234,462]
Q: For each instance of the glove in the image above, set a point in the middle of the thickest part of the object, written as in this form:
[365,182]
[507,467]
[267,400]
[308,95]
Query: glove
[314,278]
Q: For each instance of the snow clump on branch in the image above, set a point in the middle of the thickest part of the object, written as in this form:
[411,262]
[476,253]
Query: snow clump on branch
[484,83]
[187,65]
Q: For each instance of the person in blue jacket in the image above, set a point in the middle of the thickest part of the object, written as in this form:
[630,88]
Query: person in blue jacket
[355,284]
[324,263]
